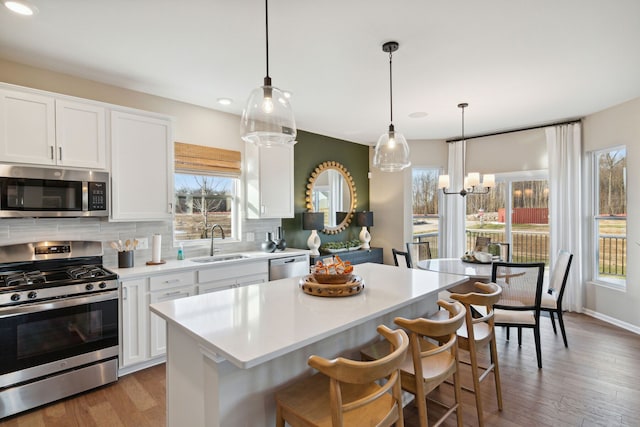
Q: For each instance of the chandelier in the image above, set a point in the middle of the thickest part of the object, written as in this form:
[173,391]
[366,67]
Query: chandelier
[471,182]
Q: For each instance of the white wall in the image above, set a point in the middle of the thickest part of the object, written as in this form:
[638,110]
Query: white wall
[390,196]
[616,126]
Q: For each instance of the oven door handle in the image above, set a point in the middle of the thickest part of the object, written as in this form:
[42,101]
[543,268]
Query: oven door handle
[57,303]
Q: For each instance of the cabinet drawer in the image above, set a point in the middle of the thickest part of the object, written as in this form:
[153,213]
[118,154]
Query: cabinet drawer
[167,281]
[232,271]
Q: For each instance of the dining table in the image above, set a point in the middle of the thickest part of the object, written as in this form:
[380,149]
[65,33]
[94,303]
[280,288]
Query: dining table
[475,271]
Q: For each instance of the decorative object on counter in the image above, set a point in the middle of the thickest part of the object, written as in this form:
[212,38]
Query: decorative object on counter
[332,270]
[364,219]
[156,250]
[335,247]
[313,221]
[392,151]
[125,259]
[268,245]
[268,118]
[281,244]
[310,286]
[470,183]
[332,182]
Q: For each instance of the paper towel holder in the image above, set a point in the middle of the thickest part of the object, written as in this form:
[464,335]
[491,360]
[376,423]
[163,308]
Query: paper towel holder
[156,241]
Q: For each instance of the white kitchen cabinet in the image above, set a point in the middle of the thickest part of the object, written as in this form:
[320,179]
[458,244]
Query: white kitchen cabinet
[134,312]
[80,135]
[40,129]
[167,287]
[27,128]
[269,181]
[225,277]
[141,167]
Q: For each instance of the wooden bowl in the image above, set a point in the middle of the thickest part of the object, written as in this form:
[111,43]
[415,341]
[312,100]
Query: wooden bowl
[332,279]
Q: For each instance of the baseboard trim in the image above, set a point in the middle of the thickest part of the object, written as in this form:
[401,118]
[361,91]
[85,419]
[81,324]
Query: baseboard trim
[613,321]
[140,366]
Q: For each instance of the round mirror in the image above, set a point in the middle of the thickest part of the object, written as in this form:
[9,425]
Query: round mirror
[331,190]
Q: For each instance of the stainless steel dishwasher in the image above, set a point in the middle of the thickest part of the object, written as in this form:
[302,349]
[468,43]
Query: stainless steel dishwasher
[288,266]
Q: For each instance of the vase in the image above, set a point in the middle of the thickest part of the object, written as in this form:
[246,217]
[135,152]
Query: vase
[281,244]
[268,245]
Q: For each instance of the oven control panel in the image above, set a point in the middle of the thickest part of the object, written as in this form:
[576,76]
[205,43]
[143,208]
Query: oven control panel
[57,292]
[55,249]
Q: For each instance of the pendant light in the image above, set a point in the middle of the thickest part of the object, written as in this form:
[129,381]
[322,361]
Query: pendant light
[268,118]
[471,183]
[392,151]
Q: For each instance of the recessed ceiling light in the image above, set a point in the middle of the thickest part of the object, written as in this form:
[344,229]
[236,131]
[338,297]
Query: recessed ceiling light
[418,115]
[21,7]
[225,101]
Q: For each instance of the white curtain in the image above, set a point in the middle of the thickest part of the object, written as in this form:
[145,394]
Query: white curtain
[454,204]
[565,152]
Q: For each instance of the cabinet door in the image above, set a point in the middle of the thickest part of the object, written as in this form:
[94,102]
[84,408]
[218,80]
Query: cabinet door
[134,312]
[157,326]
[252,280]
[269,180]
[141,168]
[80,135]
[27,128]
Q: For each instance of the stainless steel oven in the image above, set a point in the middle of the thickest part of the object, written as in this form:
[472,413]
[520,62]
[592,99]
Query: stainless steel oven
[49,192]
[58,323]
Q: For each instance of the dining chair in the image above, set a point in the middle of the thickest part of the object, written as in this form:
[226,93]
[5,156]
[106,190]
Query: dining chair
[520,303]
[504,250]
[552,299]
[348,392]
[478,332]
[418,251]
[406,255]
[434,358]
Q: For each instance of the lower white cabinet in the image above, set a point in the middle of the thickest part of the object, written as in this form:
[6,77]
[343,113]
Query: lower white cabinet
[217,279]
[133,309]
[166,288]
[143,334]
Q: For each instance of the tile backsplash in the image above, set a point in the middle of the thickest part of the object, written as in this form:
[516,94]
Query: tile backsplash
[25,230]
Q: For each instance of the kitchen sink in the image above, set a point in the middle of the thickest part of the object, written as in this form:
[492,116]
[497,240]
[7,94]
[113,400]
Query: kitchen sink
[219,258]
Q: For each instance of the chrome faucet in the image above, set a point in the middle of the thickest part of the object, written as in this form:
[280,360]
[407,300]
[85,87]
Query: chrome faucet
[213,227]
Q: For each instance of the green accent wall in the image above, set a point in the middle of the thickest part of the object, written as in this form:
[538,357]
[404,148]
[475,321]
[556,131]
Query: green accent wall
[310,151]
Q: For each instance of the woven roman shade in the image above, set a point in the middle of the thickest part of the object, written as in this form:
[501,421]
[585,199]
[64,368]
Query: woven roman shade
[199,158]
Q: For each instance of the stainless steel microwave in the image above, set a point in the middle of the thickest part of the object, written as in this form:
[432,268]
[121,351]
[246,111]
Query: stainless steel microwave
[52,192]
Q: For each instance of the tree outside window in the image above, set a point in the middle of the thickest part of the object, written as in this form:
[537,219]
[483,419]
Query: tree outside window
[202,201]
[610,220]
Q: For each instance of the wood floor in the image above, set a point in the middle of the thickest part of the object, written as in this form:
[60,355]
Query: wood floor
[595,382]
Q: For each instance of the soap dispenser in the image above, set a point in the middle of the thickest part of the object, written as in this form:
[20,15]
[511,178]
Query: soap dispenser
[180,252]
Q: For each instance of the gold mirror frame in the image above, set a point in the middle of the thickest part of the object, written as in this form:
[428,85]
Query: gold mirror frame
[331,165]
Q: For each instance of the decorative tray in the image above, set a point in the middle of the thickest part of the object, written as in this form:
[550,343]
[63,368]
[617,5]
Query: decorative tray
[310,286]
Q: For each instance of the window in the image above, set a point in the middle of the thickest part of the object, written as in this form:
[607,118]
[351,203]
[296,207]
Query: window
[516,212]
[610,216]
[206,186]
[426,221]
[202,201]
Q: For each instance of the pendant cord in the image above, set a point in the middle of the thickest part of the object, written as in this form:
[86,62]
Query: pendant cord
[266,18]
[391,86]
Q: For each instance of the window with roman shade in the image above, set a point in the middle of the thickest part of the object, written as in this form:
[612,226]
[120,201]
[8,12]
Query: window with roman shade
[206,183]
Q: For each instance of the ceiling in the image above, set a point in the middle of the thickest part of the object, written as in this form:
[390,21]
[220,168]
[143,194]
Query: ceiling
[517,63]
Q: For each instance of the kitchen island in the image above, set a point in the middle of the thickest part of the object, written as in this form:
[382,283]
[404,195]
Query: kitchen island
[230,351]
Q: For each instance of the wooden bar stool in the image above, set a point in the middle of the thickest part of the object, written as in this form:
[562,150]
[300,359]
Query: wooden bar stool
[477,332]
[434,358]
[345,392]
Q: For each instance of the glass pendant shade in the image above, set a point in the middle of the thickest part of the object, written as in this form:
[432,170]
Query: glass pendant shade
[392,152]
[268,118]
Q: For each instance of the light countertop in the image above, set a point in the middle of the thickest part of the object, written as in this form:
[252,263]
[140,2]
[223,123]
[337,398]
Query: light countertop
[254,324]
[143,270]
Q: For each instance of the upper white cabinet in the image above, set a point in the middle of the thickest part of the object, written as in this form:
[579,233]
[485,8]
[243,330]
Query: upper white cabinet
[40,129]
[141,167]
[80,134]
[269,181]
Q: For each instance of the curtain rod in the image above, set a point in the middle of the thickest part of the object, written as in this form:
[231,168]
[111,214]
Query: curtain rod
[567,122]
